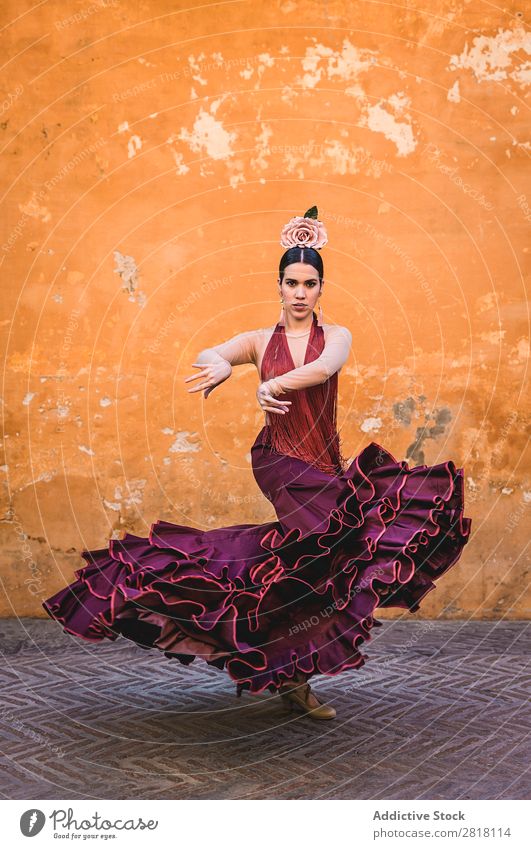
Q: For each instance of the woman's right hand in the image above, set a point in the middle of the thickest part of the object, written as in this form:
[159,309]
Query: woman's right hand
[268,402]
[211,375]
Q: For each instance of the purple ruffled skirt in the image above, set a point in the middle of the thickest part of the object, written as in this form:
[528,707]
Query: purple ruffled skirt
[263,600]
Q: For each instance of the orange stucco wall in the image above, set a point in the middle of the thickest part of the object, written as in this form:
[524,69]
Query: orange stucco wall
[151,154]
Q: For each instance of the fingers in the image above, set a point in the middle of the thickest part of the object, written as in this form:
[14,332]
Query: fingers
[272,405]
[200,386]
[202,373]
[205,374]
[268,409]
[276,402]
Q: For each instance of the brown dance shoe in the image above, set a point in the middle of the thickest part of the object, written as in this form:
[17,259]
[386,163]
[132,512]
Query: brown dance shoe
[302,696]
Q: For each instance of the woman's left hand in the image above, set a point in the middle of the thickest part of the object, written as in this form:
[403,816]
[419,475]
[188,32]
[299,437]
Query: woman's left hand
[268,402]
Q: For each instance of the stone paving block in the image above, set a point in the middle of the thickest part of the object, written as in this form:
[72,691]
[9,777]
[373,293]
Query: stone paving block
[440,710]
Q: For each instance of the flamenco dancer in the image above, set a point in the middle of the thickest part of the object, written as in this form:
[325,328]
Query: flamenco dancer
[276,603]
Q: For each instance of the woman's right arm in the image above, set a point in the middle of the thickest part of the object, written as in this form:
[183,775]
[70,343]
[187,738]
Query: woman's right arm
[217,362]
[239,350]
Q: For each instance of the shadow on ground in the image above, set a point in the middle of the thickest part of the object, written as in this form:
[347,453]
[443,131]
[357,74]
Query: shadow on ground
[438,711]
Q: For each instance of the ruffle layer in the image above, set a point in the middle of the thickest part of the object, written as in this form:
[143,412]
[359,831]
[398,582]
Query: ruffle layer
[263,601]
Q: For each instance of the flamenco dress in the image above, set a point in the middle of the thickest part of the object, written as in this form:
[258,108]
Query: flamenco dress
[262,601]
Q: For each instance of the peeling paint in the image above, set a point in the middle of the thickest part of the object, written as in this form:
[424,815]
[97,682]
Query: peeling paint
[112,505]
[260,161]
[209,137]
[181,166]
[135,490]
[133,146]
[485,303]
[453,93]
[34,210]
[182,445]
[86,450]
[127,269]
[494,337]
[380,120]
[520,353]
[321,62]
[371,424]
[195,65]
[496,57]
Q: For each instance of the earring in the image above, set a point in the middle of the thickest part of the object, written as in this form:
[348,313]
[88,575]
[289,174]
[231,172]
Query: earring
[281,316]
[320,314]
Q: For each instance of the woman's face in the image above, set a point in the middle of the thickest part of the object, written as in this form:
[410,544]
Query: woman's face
[300,289]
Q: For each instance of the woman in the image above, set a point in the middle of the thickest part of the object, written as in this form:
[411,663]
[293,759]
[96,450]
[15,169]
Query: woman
[279,602]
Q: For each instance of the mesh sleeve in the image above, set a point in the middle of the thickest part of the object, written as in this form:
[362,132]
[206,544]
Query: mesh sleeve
[334,355]
[240,349]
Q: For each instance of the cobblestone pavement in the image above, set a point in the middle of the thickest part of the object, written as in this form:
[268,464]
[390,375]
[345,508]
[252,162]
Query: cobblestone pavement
[440,710]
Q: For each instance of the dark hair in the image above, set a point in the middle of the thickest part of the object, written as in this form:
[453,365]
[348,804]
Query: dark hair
[307,255]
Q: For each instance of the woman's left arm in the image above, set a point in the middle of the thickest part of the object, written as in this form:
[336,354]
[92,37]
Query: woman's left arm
[334,355]
[216,362]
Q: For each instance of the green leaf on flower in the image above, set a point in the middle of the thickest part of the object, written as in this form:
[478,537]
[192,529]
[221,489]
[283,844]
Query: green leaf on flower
[311,213]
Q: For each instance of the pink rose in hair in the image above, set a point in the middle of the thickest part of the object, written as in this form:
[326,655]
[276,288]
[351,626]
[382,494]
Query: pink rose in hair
[302,232]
